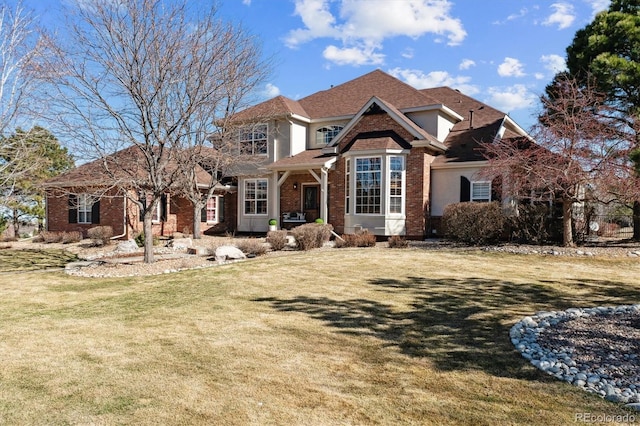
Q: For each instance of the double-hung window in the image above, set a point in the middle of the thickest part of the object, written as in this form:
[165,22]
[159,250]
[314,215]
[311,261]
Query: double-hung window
[253,139]
[481,191]
[85,203]
[212,209]
[396,184]
[255,196]
[368,185]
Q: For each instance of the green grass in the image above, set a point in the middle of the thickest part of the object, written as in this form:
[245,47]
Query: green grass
[348,336]
[33,259]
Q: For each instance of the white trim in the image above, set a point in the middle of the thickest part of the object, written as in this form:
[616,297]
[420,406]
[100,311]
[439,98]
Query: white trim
[460,165]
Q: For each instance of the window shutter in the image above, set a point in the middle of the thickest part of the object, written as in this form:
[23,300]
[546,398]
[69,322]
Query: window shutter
[496,189]
[143,199]
[465,189]
[220,207]
[163,208]
[203,214]
[95,212]
[73,208]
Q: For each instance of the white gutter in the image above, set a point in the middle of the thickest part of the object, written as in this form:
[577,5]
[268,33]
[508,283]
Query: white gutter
[124,219]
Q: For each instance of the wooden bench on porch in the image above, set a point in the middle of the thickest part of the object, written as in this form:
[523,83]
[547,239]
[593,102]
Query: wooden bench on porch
[293,219]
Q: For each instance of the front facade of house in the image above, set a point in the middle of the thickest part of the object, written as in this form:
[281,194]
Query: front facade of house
[373,153]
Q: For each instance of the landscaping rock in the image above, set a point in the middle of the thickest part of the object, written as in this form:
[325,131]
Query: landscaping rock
[229,253]
[180,243]
[128,246]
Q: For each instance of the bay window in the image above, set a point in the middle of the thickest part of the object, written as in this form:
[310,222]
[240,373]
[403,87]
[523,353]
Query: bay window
[368,185]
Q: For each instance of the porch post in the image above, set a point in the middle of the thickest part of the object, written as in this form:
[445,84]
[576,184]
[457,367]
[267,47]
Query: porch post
[324,194]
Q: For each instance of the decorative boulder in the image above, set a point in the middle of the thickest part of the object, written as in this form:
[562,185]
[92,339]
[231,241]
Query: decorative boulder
[128,246]
[180,243]
[229,253]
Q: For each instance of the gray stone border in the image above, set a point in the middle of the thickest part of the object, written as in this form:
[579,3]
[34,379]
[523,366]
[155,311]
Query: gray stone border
[559,363]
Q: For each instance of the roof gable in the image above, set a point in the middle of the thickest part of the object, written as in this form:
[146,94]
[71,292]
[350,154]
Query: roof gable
[377,105]
[346,99]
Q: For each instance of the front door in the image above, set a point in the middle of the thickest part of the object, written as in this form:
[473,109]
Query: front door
[311,202]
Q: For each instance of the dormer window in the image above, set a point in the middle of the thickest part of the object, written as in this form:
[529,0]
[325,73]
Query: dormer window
[325,135]
[253,139]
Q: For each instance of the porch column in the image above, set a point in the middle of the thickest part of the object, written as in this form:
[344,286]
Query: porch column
[324,194]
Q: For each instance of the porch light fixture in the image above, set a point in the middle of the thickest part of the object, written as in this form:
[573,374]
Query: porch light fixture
[295,185]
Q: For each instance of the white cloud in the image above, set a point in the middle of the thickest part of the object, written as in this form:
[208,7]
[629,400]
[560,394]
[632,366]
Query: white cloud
[271,91]
[360,23]
[466,64]
[420,80]
[511,98]
[553,63]
[598,5]
[246,2]
[408,53]
[563,16]
[511,67]
[352,56]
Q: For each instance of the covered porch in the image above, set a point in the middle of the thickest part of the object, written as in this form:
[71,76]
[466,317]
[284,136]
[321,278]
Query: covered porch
[301,188]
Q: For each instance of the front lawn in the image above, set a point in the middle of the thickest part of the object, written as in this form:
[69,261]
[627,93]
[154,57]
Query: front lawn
[33,259]
[346,336]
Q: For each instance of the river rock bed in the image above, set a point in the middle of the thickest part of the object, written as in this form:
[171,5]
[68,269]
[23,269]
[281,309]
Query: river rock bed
[597,349]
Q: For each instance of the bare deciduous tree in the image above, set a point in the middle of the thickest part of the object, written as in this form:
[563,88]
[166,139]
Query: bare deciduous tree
[152,76]
[580,153]
[20,51]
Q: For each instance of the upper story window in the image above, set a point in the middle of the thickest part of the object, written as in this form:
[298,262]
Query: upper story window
[325,135]
[253,139]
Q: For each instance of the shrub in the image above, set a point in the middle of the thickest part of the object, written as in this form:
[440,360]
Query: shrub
[277,239]
[251,246]
[71,237]
[273,222]
[319,220]
[49,237]
[396,241]
[533,224]
[100,235]
[474,223]
[139,239]
[311,235]
[361,239]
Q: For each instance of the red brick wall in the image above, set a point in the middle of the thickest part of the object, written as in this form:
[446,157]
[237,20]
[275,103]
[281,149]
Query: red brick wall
[111,213]
[183,209]
[417,176]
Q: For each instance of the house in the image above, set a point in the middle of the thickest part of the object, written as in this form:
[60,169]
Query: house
[372,153]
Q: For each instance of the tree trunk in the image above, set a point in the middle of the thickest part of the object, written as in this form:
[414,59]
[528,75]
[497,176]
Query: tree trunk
[636,220]
[16,224]
[567,222]
[197,216]
[148,236]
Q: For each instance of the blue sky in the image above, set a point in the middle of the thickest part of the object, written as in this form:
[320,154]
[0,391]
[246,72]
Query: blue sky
[502,52]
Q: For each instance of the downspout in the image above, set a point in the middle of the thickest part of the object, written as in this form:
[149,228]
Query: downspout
[124,219]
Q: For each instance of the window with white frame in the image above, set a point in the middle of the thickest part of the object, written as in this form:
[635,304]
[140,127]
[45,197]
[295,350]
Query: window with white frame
[212,209]
[253,139]
[481,191]
[157,212]
[368,185]
[396,184]
[325,135]
[85,203]
[347,186]
[255,196]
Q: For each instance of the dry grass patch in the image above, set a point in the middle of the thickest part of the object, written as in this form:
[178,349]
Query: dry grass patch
[351,336]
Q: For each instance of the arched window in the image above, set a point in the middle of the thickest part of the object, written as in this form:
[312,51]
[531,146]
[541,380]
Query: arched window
[325,135]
